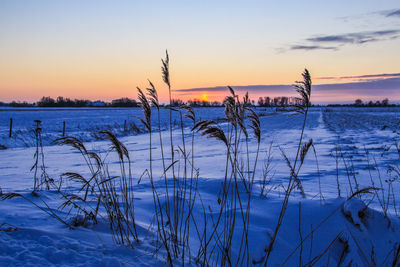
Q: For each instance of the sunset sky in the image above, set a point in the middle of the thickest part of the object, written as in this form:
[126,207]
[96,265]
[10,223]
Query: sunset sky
[104,49]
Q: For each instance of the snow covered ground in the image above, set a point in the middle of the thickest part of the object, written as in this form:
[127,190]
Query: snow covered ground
[79,122]
[355,148]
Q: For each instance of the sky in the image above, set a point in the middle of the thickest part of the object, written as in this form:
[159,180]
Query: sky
[105,49]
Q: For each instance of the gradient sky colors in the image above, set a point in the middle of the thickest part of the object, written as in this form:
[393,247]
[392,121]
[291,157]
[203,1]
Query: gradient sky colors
[104,49]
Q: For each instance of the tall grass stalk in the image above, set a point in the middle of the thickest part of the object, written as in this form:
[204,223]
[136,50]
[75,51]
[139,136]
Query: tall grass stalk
[304,89]
[266,171]
[39,161]
[114,193]
[157,205]
[231,201]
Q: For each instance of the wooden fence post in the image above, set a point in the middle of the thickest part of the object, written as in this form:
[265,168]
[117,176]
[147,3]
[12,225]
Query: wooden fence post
[11,125]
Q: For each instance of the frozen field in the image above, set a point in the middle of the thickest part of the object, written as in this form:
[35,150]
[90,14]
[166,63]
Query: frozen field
[84,123]
[353,148]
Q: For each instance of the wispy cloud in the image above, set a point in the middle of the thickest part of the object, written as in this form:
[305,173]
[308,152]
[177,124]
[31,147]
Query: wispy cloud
[356,38]
[362,77]
[367,16]
[312,47]
[362,86]
[336,41]
[392,13]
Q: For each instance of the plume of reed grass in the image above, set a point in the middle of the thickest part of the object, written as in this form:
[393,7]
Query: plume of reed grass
[125,215]
[174,232]
[161,232]
[179,204]
[73,201]
[39,161]
[174,217]
[119,206]
[304,89]
[153,97]
[166,78]
[92,160]
[224,224]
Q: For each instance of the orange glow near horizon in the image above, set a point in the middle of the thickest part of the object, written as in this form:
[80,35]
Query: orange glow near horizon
[98,50]
[204,98]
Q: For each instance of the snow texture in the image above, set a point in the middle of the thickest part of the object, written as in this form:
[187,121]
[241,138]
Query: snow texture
[354,148]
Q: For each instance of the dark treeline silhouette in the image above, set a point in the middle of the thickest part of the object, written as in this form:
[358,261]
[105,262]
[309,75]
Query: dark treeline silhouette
[280,101]
[197,103]
[60,101]
[47,101]
[200,103]
[124,102]
[360,103]
[17,104]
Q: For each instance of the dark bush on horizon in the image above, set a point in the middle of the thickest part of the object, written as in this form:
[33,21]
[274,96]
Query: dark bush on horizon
[47,101]
[124,102]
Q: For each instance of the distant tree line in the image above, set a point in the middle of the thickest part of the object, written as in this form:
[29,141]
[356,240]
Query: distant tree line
[280,101]
[47,101]
[60,101]
[121,102]
[202,103]
[17,104]
[199,103]
[360,103]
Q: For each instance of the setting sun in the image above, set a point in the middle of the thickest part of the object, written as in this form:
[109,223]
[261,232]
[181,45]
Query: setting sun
[204,97]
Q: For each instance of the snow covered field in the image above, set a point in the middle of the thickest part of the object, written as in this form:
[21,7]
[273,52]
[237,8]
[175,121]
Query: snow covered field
[353,149]
[84,123]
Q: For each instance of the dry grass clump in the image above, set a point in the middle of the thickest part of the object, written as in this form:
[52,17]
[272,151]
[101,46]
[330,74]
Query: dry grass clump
[44,180]
[113,193]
